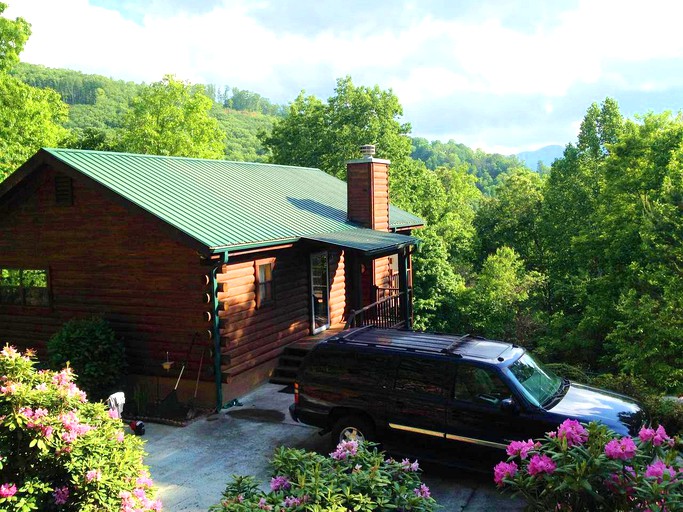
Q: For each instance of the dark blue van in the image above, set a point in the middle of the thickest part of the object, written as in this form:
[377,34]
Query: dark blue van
[449,398]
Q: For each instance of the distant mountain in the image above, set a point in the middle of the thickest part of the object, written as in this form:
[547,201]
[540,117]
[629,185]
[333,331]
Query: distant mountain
[547,155]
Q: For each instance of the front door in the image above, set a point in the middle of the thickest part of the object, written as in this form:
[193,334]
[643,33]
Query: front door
[320,292]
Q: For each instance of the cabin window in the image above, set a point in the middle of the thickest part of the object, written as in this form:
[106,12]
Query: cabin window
[264,282]
[24,287]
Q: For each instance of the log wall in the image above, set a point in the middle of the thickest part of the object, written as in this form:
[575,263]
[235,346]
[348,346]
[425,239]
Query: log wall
[252,336]
[104,260]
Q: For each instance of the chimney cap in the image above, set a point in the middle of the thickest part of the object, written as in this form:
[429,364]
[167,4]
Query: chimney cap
[368,151]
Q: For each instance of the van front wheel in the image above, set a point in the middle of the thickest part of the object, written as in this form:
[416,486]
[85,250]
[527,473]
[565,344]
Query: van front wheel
[352,428]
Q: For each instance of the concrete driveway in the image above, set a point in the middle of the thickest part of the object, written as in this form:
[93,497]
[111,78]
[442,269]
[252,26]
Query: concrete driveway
[191,465]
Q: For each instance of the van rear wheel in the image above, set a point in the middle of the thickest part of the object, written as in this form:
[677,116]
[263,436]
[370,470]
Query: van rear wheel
[352,428]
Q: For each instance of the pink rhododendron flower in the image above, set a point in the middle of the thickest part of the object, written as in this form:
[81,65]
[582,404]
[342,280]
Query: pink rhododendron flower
[661,437]
[73,391]
[422,492]
[155,505]
[658,469]
[69,437]
[541,464]
[279,483]
[114,414]
[646,434]
[406,465]
[521,448]
[9,351]
[263,505]
[144,481]
[63,378]
[7,490]
[9,389]
[61,495]
[504,470]
[120,436]
[573,432]
[41,387]
[345,449]
[623,449]
[93,474]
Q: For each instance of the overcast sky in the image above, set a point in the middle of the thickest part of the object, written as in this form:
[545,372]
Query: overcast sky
[500,75]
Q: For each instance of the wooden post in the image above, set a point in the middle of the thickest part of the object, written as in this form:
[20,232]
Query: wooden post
[356,295]
[404,296]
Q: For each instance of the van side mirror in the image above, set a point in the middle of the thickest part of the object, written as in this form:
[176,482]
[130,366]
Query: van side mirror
[509,406]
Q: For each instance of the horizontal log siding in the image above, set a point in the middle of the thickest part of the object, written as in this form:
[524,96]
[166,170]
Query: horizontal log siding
[251,337]
[103,260]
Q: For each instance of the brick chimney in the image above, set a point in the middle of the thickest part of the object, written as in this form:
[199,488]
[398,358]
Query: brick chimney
[367,190]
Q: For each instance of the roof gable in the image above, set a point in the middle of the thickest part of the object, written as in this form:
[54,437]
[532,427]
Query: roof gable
[224,204]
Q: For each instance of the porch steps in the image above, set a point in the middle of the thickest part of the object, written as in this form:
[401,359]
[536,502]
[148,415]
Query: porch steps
[293,355]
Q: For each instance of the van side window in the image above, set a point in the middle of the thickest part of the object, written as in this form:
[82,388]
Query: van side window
[421,376]
[350,368]
[479,385]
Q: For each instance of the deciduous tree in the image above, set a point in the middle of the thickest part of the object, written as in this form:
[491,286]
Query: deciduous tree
[171,117]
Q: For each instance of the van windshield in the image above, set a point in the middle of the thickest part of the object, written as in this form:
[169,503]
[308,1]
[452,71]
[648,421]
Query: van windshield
[538,383]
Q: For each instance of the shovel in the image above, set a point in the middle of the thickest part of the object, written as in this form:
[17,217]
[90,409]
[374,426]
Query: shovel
[169,406]
[191,412]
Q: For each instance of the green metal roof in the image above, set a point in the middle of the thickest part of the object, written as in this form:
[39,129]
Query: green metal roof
[367,241]
[226,204]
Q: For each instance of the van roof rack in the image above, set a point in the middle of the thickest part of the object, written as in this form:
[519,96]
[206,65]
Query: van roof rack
[396,339]
[425,342]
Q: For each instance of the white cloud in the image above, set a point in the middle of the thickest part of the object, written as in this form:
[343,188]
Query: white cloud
[428,59]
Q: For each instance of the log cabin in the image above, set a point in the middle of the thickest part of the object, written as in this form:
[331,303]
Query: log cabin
[241,259]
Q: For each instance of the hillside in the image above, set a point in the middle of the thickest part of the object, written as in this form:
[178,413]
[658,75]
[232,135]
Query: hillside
[97,105]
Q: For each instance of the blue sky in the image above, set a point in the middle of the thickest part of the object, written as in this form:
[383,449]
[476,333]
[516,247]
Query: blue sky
[500,75]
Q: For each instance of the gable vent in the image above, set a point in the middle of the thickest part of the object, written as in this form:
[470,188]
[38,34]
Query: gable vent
[63,191]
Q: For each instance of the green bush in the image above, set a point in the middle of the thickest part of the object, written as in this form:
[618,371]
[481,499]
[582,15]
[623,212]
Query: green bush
[661,410]
[60,452]
[354,477]
[91,348]
[581,467]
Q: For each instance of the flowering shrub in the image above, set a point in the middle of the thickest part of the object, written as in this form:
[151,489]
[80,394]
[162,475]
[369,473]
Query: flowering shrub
[581,467]
[354,477]
[60,452]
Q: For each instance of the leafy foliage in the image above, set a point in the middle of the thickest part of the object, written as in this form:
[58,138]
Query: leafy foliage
[325,135]
[13,37]
[29,117]
[91,347]
[354,477]
[59,452]
[171,118]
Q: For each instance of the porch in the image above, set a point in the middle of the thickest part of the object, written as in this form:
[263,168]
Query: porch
[385,313]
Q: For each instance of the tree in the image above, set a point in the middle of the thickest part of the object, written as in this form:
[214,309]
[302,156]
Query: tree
[500,301]
[30,118]
[325,135]
[511,217]
[13,37]
[171,117]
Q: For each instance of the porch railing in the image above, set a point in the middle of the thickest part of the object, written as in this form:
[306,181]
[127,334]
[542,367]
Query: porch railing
[385,313]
